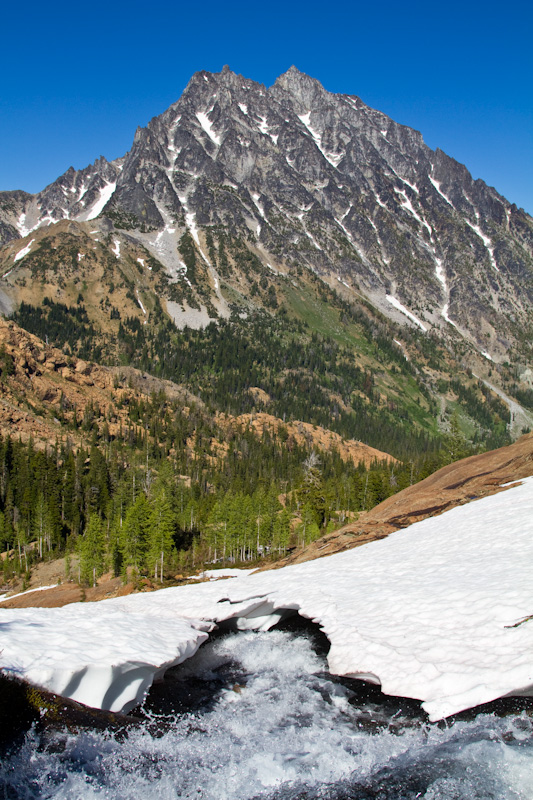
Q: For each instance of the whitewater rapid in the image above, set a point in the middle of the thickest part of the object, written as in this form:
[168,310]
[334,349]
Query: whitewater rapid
[256,715]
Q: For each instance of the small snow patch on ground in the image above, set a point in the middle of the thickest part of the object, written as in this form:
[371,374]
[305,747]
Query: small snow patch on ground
[5,597]
[140,302]
[24,252]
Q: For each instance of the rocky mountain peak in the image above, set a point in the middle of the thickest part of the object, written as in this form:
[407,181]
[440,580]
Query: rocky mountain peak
[300,86]
[310,180]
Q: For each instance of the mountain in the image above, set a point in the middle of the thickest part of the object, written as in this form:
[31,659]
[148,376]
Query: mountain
[305,224]
[308,179]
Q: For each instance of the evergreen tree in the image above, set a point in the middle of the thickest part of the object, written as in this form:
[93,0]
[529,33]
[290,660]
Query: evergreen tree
[134,533]
[282,531]
[92,551]
[161,542]
[312,493]
[455,444]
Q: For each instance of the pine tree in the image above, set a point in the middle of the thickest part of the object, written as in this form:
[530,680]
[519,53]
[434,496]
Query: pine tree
[312,492]
[134,533]
[92,550]
[161,542]
[41,529]
[282,531]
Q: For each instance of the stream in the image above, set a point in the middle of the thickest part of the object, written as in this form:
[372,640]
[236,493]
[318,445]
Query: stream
[256,715]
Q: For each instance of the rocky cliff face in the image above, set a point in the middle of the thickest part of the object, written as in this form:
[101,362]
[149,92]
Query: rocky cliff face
[302,178]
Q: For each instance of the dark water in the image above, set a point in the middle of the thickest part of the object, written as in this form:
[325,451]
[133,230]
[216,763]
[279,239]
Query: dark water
[255,715]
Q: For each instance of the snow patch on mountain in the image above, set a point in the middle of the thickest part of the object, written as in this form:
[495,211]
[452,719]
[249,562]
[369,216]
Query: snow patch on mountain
[21,226]
[486,241]
[24,252]
[436,185]
[207,125]
[98,206]
[406,203]
[333,158]
[263,127]
[396,303]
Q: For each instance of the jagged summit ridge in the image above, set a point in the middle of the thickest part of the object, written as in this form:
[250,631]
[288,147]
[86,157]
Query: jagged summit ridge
[316,180]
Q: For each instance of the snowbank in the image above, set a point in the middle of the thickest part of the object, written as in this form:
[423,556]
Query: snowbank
[436,612]
[94,653]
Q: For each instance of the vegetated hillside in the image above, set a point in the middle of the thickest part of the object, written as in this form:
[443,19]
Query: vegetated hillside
[100,462]
[313,355]
[136,476]
[463,481]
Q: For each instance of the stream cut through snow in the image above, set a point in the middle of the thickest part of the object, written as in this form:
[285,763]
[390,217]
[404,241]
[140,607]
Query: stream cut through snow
[257,715]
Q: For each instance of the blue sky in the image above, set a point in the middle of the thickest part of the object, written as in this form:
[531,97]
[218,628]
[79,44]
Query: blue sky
[76,82]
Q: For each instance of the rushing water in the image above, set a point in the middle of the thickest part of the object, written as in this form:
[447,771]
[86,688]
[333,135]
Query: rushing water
[254,715]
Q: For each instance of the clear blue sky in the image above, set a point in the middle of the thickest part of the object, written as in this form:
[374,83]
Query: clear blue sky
[76,81]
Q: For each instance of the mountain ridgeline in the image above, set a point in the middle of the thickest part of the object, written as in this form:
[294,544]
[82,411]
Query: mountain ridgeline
[300,177]
[290,251]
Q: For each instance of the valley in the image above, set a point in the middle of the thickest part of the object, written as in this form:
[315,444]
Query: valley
[278,309]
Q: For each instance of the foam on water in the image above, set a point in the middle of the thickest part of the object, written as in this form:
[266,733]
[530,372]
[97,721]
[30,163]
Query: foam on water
[269,723]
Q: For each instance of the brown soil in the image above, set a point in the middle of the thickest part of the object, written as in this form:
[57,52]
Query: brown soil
[70,592]
[49,572]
